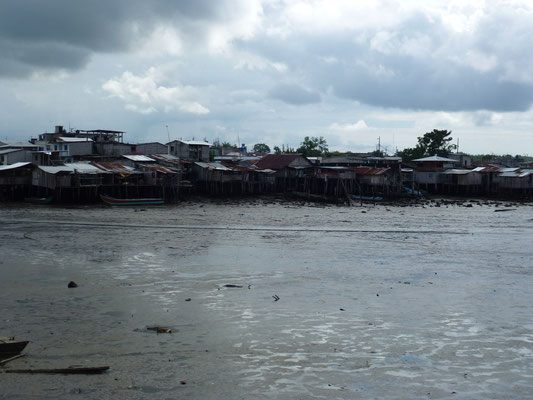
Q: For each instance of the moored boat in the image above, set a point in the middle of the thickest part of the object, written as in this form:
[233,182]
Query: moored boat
[39,200]
[369,198]
[10,348]
[112,201]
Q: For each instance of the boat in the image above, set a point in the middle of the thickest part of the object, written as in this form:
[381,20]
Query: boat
[369,198]
[39,200]
[412,192]
[112,201]
[10,347]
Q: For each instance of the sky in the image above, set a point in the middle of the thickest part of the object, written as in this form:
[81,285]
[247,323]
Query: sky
[272,71]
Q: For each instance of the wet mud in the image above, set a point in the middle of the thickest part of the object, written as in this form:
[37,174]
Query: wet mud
[270,300]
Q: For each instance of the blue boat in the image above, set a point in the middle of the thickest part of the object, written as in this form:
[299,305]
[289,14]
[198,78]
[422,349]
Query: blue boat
[370,198]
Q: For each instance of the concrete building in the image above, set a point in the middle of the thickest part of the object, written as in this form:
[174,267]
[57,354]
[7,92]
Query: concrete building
[190,150]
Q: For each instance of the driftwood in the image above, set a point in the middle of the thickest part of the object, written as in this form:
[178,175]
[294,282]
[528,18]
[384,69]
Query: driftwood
[69,370]
[6,360]
[159,329]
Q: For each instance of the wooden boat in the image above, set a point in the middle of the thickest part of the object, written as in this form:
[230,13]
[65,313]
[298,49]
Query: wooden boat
[39,200]
[10,348]
[132,202]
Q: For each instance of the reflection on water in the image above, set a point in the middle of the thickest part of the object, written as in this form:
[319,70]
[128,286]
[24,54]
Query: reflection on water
[406,303]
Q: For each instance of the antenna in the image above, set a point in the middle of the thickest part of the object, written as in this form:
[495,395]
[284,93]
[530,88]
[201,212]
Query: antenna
[457,148]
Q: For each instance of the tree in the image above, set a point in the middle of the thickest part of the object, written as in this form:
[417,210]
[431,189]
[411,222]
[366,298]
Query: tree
[436,142]
[227,145]
[313,147]
[261,148]
[288,149]
[277,150]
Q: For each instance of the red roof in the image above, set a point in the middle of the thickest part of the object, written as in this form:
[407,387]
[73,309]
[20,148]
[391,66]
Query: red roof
[278,161]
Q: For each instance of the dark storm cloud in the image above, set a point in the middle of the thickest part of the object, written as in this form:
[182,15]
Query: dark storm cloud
[63,34]
[294,94]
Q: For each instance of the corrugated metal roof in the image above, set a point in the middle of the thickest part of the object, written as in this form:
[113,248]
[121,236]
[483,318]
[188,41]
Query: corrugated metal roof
[84,168]
[509,174]
[138,158]
[278,161]
[13,166]
[516,173]
[212,165]
[194,142]
[79,168]
[7,151]
[55,169]
[457,171]
[161,169]
[165,157]
[486,169]
[435,158]
[509,169]
[370,170]
[18,144]
[113,167]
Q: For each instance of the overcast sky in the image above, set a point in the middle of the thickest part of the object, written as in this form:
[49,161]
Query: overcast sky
[272,71]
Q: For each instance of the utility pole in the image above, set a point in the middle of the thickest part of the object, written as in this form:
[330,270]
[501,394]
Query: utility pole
[168,134]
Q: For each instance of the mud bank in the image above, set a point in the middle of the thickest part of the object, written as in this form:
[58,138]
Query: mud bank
[374,302]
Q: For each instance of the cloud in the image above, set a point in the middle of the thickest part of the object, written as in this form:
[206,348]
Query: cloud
[294,94]
[145,94]
[467,56]
[358,126]
[64,35]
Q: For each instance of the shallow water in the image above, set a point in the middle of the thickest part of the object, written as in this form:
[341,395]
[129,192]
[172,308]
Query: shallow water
[389,303]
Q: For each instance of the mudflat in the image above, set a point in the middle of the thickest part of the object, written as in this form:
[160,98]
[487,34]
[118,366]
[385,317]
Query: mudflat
[267,299]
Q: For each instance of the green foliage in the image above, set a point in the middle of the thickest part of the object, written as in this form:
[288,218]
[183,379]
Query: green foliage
[227,145]
[436,142]
[313,147]
[288,149]
[277,150]
[261,148]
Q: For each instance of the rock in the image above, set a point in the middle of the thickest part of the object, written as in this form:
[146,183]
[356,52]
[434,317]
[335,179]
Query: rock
[72,284]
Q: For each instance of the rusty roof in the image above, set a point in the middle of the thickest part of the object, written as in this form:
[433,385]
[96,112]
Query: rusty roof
[162,169]
[370,170]
[113,167]
[277,161]
[237,167]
